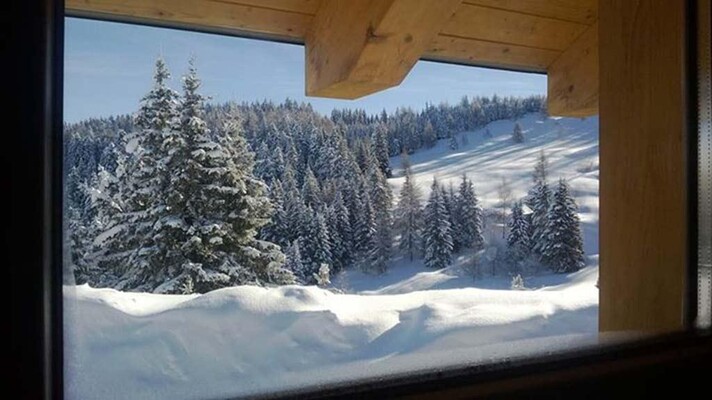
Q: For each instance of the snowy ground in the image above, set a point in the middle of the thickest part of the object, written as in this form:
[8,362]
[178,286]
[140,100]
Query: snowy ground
[244,340]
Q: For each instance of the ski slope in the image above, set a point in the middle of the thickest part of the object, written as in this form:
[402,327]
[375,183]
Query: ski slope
[246,340]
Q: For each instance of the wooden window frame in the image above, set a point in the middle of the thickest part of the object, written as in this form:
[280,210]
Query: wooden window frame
[36,235]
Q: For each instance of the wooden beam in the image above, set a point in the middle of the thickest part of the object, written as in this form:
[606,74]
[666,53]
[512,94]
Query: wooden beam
[644,188]
[502,26]
[358,47]
[488,54]
[204,14]
[581,11]
[573,78]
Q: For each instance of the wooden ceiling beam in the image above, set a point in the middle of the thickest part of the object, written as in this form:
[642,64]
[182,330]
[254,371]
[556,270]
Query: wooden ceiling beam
[211,15]
[573,78]
[358,47]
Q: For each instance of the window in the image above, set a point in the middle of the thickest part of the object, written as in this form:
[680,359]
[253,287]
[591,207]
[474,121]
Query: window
[36,283]
[262,238]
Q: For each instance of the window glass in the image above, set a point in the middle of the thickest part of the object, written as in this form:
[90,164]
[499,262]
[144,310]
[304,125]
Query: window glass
[226,235]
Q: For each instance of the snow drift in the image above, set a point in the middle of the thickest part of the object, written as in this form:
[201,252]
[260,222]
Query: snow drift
[244,340]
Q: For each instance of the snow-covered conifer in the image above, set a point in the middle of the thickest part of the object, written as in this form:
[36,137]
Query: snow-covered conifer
[469,214]
[409,216]
[437,238]
[518,241]
[564,247]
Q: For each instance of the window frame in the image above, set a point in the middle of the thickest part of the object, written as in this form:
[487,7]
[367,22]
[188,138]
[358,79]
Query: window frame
[36,271]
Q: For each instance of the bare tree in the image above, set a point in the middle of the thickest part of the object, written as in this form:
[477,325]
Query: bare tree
[504,194]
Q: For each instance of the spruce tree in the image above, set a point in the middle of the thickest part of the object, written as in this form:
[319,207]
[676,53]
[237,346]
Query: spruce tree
[382,238]
[131,250]
[363,221]
[339,226]
[470,216]
[449,198]
[315,246]
[437,238]
[409,216]
[539,200]
[293,261]
[311,193]
[277,230]
[518,241]
[517,133]
[564,248]
[541,169]
[380,149]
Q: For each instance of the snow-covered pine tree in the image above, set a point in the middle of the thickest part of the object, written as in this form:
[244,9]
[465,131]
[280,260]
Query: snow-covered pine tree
[449,198]
[452,142]
[405,162]
[322,275]
[430,138]
[437,238]
[470,216]
[293,261]
[517,133]
[409,216]
[212,240]
[380,149]
[315,246]
[129,248]
[539,200]
[541,169]
[311,193]
[294,207]
[382,238]
[518,241]
[277,230]
[564,249]
[363,220]
[339,225]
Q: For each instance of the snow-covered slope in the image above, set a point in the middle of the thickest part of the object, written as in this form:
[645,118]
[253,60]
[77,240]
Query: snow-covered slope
[243,340]
[571,145]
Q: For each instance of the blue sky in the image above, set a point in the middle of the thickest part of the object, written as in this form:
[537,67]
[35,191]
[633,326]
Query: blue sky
[108,68]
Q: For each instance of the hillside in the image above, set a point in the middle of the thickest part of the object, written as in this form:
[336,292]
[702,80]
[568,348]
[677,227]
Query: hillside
[247,339]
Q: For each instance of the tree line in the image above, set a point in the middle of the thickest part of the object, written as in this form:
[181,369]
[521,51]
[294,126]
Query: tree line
[188,197]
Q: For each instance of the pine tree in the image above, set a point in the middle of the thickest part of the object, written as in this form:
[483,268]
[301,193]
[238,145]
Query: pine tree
[380,149]
[363,220]
[449,198]
[382,238]
[409,216]
[564,249]
[277,230]
[436,233]
[293,261]
[541,169]
[339,226]
[130,250]
[518,241]
[452,142]
[539,200]
[470,216]
[517,133]
[315,246]
[311,193]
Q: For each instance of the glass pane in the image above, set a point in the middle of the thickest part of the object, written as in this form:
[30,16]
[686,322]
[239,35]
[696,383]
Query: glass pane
[228,236]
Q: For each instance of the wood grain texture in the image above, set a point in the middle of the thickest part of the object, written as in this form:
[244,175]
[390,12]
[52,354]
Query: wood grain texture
[357,47]
[573,78]
[488,54]
[643,192]
[502,26]
[580,11]
[308,7]
[516,34]
[210,14]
